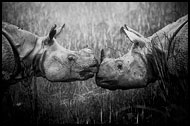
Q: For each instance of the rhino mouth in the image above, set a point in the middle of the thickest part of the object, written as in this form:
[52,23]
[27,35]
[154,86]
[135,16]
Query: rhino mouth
[107,84]
[88,73]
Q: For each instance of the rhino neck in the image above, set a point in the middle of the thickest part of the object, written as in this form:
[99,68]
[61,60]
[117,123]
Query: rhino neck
[159,47]
[37,57]
[31,63]
[162,39]
[156,65]
[23,43]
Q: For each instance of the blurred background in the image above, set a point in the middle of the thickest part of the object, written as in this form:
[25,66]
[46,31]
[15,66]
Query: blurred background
[98,26]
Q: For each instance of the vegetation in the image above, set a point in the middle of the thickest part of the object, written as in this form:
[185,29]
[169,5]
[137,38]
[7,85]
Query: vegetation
[96,25]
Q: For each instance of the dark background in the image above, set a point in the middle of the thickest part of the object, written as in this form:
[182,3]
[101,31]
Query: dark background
[96,25]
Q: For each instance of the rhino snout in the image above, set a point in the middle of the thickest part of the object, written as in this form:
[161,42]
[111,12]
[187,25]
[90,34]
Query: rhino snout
[95,63]
[92,67]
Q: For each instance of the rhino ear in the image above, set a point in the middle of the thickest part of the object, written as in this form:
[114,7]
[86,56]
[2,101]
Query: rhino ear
[59,30]
[52,32]
[134,36]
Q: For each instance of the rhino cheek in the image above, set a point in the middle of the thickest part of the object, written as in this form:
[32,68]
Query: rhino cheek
[55,71]
[135,78]
[138,73]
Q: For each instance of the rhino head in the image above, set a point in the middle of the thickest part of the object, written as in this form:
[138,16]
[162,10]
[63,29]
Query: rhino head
[148,59]
[59,64]
[43,56]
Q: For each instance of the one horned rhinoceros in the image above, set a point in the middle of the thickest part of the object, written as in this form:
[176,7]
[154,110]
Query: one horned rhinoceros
[165,53]
[25,54]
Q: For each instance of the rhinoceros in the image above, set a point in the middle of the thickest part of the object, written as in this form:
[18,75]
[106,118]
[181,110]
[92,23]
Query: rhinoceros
[162,56]
[25,54]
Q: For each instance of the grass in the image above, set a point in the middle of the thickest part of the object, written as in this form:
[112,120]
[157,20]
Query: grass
[96,25]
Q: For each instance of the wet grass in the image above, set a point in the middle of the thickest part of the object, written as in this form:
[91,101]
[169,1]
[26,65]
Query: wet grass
[96,25]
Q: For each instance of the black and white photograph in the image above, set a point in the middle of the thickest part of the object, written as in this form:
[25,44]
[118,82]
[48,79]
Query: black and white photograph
[119,63]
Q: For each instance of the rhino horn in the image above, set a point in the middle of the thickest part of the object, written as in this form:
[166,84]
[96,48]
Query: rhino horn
[102,55]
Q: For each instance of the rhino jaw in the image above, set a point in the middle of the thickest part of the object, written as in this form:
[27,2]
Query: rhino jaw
[119,83]
[55,71]
[107,84]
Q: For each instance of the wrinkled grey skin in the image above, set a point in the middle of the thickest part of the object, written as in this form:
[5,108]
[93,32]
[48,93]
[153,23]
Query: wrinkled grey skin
[25,54]
[149,59]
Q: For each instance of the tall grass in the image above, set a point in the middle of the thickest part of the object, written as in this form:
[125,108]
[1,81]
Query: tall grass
[96,25]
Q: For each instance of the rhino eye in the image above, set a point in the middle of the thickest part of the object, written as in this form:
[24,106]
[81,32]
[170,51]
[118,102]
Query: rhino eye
[20,28]
[120,66]
[71,58]
[136,43]
[48,42]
